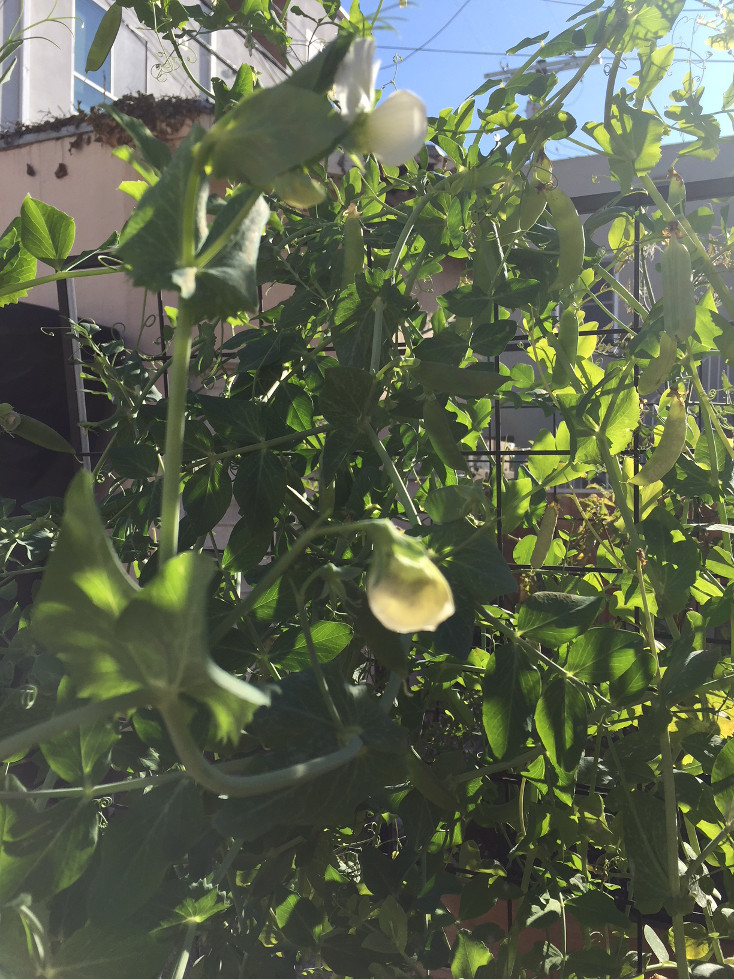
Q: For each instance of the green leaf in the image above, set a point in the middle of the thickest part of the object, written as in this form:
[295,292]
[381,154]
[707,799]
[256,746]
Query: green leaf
[297,727]
[151,243]
[467,382]
[560,718]
[206,496]
[44,852]
[248,543]
[511,692]
[299,920]
[653,70]
[469,955]
[260,485]
[389,648]
[139,847]
[643,830]
[84,590]
[722,780]
[553,618]
[196,910]
[449,503]
[81,755]
[16,263]
[165,629]
[16,958]
[290,649]
[112,951]
[153,150]
[227,283]
[635,678]
[595,908]
[473,563]
[429,784]
[245,145]
[348,397]
[687,670]
[45,232]
[393,922]
[104,38]
[603,654]
[656,944]
[672,560]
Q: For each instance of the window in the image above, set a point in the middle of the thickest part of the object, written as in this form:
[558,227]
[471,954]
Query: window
[94,86]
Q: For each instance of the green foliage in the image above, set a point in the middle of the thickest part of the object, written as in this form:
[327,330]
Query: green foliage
[219,759]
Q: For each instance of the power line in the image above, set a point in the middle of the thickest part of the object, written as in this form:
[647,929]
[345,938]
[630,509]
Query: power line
[433,37]
[488,54]
[503,54]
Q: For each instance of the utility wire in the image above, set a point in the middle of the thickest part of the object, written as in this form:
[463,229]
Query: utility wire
[433,37]
[503,54]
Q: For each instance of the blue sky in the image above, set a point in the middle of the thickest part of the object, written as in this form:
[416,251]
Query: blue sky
[461,40]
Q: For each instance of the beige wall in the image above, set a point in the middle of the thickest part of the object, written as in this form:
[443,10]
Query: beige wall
[88,191]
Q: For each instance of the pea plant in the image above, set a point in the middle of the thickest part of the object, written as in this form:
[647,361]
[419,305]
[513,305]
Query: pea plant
[363,735]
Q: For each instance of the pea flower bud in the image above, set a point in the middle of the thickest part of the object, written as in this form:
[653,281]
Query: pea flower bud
[406,592]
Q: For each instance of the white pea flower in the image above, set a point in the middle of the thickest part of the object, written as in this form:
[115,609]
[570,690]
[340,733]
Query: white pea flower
[396,129]
[406,592]
[355,79]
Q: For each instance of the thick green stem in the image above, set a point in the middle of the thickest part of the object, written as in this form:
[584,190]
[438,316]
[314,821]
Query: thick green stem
[613,472]
[56,277]
[710,925]
[399,486]
[245,786]
[187,942]
[315,662]
[175,424]
[709,409]
[59,723]
[212,250]
[671,833]
[535,652]
[394,682]
[623,293]
[588,61]
[501,766]
[669,796]
[713,460]
[182,62]
[377,336]
[609,94]
[261,446]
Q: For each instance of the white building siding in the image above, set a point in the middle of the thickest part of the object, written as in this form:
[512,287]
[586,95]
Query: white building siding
[42,86]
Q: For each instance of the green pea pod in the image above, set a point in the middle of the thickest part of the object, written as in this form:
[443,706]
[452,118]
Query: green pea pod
[676,191]
[298,188]
[476,178]
[532,204]
[668,450]
[658,368]
[41,434]
[436,421]
[486,263]
[567,341]
[545,536]
[679,301]
[352,246]
[571,242]
[464,382]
